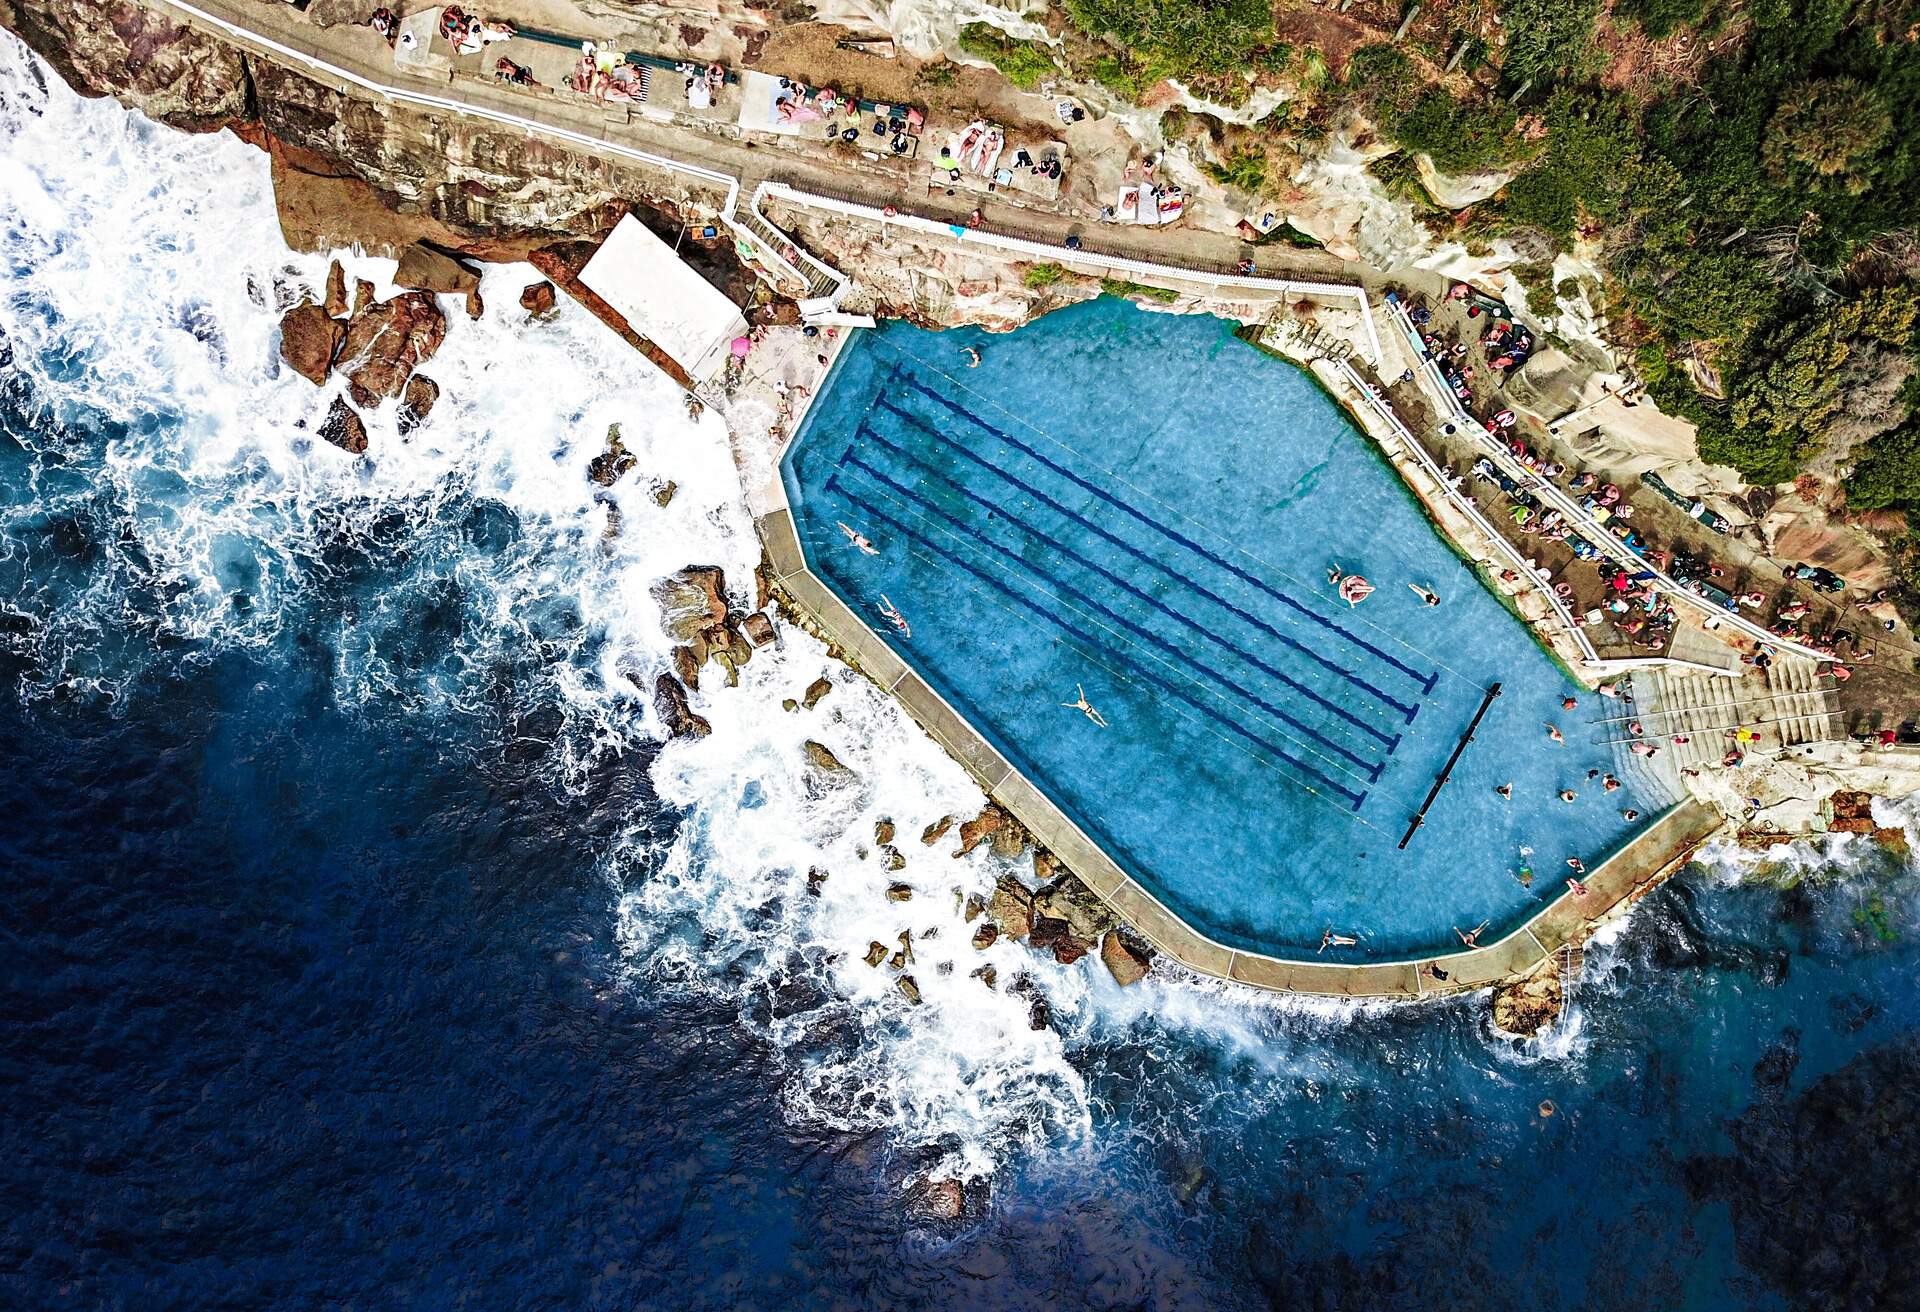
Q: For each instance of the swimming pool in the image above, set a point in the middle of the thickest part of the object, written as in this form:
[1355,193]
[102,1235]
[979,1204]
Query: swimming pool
[1143,507]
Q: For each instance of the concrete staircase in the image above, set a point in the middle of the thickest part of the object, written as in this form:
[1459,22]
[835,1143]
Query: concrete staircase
[1787,705]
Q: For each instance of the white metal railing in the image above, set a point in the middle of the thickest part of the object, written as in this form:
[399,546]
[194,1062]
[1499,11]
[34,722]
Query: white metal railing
[1053,251]
[1465,505]
[1589,528]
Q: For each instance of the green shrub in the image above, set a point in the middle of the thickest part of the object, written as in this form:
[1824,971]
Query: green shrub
[1180,38]
[1459,136]
[1025,63]
[1661,18]
[1121,287]
[1043,275]
[1547,39]
[1245,169]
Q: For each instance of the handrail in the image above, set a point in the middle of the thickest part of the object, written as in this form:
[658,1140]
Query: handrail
[1465,504]
[1590,529]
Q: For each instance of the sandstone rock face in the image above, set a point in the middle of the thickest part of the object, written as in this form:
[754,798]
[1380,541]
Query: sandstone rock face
[670,702]
[821,757]
[1071,901]
[343,428]
[385,341]
[982,827]
[815,691]
[309,340]
[758,629]
[423,269]
[1529,1005]
[1011,907]
[337,304]
[417,402]
[117,48]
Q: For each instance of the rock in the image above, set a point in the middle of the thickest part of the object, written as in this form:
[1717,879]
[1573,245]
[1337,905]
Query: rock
[670,701]
[982,827]
[1046,867]
[789,704]
[899,892]
[908,988]
[1531,1004]
[539,299]
[876,953]
[985,936]
[663,497]
[1070,949]
[309,341]
[386,341]
[1127,964]
[900,959]
[823,759]
[607,467]
[417,401]
[737,645]
[762,584]
[816,877]
[1048,932]
[891,857]
[425,269]
[337,304]
[1010,839]
[693,602]
[934,832]
[945,1200]
[343,428]
[685,667]
[1038,1013]
[815,691]
[883,832]
[976,906]
[988,975]
[476,307]
[758,629]
[362,295]
[1011,907]
[1079,906]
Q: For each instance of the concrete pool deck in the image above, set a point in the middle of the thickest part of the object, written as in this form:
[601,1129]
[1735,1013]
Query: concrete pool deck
[1644,861]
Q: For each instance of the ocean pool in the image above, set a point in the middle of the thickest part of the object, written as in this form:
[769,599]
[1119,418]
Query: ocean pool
[1145,508]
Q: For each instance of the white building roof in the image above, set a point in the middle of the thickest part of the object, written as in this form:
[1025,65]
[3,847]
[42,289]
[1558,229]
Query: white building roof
[663,299]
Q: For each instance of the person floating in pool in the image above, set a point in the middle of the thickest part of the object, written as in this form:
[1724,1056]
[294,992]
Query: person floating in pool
[1576,865]
[894,617]
[1471,937]
[1506,790]
[1568,703]
[1553,732]
[1330,939]
[1352,588]
[1629,815]
[859,540]
[1085,707]
[1610,783]
[1567,794]
[973,356]
[1426,594]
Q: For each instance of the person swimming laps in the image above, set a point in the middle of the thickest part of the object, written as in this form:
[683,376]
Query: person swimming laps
[893,616]
[1330,939]
[858,540]
[1426,594]
[1085,707]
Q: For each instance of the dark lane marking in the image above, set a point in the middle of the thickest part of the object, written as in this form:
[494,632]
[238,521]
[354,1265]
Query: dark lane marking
[1426,681]
[1390,741]
[1137,671]
[1379,695]
[1371,769]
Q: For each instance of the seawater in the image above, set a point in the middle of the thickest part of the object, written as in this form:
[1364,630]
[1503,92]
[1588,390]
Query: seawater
[364,947]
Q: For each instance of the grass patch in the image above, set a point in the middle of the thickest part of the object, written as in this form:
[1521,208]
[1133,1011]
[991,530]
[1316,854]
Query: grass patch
[1122,288]
[1023,62]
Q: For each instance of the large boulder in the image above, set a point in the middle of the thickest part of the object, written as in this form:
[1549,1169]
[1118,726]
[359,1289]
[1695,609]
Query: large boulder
[343,428]
[1011,907]
[309,340]
[976,831]
[670,702]
[1127,962]
[425,269]
[1530,1004]
[607,467]
[1072,901]
[758,629]
[693,602]
[417,401]
[538,300]
[337,304]
[385,341]
[821,758]
[815,691]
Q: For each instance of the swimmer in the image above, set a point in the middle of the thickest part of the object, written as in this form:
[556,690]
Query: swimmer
[1506,790]
[1593,774]
[1427,595]
[973,356]
[1609,783]
[1335,575]
[1568,703]
[1629,815]
[1085,707]
[1576,865]
[859,540]
[1643,748]
[894,617]
[1471,937]
[1567,794]
[1330,939]
[1553,732]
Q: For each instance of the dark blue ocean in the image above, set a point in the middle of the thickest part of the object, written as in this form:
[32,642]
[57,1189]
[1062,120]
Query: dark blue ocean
[363,947]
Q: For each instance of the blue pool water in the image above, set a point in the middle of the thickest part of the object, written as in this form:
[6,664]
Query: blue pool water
[1145,507]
